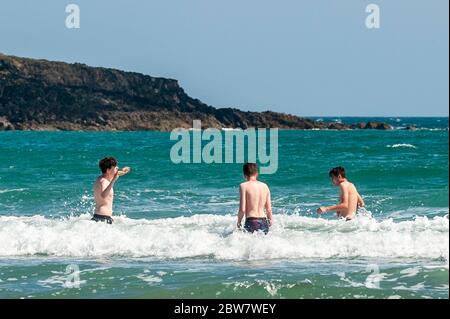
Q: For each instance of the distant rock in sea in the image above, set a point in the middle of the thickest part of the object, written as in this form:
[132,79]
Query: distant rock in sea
[372,126]
[45,95]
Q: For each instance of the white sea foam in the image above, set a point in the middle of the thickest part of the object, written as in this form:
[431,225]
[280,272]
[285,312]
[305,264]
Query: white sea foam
[149,279]
[2,191]
[401,145]
[432,129]
[214,236]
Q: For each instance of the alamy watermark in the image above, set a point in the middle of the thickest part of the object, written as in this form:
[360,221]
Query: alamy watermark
[73,19]
[373,19]
[73,276]
[372,280]
[226,146]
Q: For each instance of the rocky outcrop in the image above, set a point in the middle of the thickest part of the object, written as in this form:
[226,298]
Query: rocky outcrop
[45,95]
[377,126]
[371,126]
[5,125]
[411,128]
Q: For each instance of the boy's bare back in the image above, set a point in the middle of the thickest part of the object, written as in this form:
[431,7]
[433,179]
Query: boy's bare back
[350,196]
[255,197]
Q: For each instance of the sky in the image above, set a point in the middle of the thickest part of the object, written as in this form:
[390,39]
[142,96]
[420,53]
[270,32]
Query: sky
[304,57]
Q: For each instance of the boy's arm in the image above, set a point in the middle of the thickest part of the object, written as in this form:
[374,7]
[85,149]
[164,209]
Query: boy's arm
[360,201]
[241,205]
[106,189]
[268,207]
[342,205]
[124,171]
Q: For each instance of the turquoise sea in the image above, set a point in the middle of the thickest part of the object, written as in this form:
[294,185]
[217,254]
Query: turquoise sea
[174,234]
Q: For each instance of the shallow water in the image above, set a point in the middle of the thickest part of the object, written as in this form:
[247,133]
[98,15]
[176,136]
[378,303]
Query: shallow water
[174,234]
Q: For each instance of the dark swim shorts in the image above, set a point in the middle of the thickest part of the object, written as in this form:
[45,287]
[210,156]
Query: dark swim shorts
[253,224]
[102,218]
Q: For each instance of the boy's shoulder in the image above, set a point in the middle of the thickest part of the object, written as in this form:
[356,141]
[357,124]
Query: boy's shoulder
[263,184]
[100,180]
[346,184]
[248,184]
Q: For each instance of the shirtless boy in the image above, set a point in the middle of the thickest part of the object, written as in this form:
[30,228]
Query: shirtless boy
[350,199]
[254,199]
[104,191]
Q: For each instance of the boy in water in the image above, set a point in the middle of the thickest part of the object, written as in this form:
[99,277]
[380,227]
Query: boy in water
[103,189]
[254,198]
[350,199]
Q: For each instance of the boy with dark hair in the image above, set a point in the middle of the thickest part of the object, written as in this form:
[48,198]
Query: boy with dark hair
[254,199]
[350,199]
[103,188]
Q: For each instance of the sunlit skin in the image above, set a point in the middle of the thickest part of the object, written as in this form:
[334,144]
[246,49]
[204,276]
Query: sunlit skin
[104,190]
[254,200]
[350,199]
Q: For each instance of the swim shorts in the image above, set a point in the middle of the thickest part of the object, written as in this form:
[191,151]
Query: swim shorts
[253,224]
[102,218]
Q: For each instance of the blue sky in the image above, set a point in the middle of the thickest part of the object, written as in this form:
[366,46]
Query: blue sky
[305,57]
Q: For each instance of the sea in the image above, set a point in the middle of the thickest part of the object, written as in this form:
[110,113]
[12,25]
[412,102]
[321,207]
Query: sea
[174,233]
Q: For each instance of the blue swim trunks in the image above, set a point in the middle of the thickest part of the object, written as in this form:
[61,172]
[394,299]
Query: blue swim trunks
[253,224]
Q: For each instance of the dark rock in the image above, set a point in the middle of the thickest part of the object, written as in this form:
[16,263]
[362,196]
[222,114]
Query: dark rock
[359,126]
[5,125]
[338,126]
[45,95]
[378,126]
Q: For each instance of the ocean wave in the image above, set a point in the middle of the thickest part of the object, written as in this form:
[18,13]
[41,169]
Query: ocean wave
[214,236]
[401,145]
[403,128]
[2,191]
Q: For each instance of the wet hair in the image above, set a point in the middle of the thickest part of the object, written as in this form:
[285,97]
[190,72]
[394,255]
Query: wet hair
[250,169]
[335,172]
[107,163]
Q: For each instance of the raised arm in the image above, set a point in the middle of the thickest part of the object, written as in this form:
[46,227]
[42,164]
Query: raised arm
[241,205]
[124,171]
[268,207]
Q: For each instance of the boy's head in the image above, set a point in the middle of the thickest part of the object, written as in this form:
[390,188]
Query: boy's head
[337,174]
[108,165]
[250,170]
